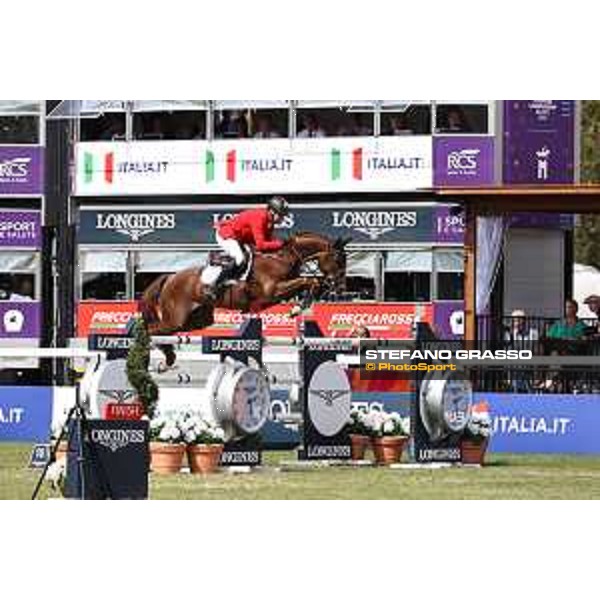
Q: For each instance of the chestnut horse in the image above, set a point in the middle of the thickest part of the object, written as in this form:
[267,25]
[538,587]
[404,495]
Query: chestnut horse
[177,303]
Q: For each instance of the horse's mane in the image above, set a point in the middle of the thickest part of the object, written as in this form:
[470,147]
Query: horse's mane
[306,234]
[338,244]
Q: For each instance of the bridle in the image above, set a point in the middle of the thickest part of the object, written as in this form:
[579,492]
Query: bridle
[306,261]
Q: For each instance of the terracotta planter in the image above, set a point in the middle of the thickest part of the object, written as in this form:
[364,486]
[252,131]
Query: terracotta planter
[166,459]
[473,453]
[388,450]
[204,460]
[360,444]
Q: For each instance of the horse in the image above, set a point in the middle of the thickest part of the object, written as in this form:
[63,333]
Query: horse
[177,303]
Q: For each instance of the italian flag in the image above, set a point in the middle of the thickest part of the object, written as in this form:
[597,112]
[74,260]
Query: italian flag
[357,164]
[108,167]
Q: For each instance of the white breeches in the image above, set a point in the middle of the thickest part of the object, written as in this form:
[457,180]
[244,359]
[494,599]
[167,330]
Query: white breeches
[232,248]
[211,274]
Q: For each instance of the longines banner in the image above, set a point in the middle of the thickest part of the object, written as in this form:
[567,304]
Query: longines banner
[254,166]
[403,223]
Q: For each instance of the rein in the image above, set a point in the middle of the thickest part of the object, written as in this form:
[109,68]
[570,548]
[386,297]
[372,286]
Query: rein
[307,259]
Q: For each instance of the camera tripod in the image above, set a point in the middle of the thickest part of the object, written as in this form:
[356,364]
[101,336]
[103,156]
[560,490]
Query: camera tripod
[77,417]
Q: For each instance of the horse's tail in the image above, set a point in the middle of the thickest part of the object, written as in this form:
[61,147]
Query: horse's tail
[147,305]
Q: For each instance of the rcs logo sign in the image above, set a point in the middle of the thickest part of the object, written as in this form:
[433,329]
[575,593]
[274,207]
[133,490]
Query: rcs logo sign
[463,162]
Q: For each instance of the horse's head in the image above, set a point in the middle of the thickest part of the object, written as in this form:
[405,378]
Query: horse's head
[330,256]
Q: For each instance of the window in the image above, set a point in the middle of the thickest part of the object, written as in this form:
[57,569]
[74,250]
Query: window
[400,117]
[152,265]
[19,130]
[361,273]
[106,127]
[408,276]
[18,276]
[462,118]
[16,287]
[449,269]
[183,125]
[103,275]
[258,119]
[20,121]
[331,118]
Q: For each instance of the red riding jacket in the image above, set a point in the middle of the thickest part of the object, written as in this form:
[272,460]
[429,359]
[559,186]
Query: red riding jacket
[252,227]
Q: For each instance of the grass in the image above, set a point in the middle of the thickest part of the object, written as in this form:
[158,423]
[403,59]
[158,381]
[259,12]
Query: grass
[506,478]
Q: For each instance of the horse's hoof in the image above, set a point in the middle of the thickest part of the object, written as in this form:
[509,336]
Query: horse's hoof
[162,368]
[296,311]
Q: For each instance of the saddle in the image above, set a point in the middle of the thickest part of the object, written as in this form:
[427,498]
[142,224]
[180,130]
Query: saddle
[231,273]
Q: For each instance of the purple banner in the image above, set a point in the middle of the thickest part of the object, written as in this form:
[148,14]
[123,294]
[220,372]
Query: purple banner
[449,227]
[542,220]
[20,229]
[20,320]
[463,161]
[21,170]
[539,141]
[449,319]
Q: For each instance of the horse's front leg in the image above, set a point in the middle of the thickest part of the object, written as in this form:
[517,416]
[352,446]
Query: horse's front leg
[288,289]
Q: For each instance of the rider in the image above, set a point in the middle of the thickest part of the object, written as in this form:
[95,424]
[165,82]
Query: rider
[254,228]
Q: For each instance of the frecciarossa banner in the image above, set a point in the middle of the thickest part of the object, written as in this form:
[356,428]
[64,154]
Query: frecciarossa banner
[392,321]
[254,166]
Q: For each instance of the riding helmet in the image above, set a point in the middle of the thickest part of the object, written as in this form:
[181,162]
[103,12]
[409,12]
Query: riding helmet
[279,206]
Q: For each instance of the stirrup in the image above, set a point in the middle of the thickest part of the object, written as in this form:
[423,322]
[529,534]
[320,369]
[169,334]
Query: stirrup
[211,292]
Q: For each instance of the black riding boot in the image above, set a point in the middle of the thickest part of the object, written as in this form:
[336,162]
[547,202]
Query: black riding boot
[213,292]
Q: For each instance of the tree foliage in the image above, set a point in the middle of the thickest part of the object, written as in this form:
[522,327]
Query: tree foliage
[587,232]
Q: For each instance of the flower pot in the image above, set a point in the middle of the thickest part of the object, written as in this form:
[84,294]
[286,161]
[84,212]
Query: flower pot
[388,450]
[204,459]
[360,443]
[473,453]
[166,459]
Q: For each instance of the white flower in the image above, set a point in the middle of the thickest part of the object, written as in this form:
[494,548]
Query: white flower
[389,428]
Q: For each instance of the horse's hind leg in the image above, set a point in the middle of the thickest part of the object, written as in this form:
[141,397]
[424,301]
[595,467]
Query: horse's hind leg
[200,318]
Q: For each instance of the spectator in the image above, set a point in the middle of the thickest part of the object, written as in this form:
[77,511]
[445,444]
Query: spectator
[593,331]
[593,303]
[264,127]
[156,130]
[570,328]
[399,126]
[355,127]
[519,330]
[232,125]
[519,336]
[113,129]
[455,122]
[311,128]
[7,293]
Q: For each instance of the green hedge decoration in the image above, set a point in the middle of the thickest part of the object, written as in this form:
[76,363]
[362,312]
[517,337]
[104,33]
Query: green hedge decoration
[138,364]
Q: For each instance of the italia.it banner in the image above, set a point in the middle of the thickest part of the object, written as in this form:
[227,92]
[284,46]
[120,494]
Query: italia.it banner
[254,166]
